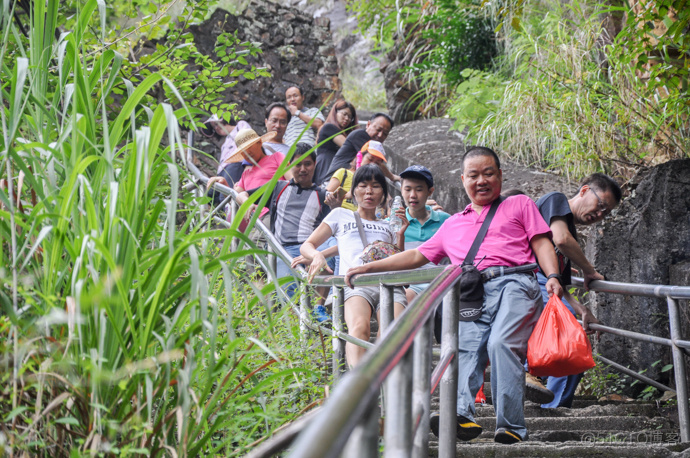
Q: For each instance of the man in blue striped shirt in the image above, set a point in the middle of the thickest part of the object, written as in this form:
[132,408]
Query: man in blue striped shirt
[297,207]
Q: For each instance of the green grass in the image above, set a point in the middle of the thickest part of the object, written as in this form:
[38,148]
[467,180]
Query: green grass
[126,326]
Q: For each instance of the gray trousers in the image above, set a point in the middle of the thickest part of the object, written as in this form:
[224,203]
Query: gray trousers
[512,305]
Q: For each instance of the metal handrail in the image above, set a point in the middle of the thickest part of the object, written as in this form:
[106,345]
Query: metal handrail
[634,289]
[270,238]
[359,388]
[398,278]
[423,352]
[678,346]
[327,438]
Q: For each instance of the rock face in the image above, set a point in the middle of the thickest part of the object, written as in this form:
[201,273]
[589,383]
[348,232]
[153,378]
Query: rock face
[431,143]
[400,100]
[297,49]
[646,241]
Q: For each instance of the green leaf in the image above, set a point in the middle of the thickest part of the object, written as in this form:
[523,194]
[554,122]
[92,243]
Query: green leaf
[16,411]
[68,421]
[515,22]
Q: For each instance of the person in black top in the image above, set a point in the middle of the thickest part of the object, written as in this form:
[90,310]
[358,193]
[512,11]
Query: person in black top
[340,122]
[378,128]
[597,196]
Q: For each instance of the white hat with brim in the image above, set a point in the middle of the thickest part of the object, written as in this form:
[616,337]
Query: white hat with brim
[246,138]
[375,149]
[213,118]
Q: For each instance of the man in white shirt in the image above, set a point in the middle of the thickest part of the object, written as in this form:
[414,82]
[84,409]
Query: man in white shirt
[276,120]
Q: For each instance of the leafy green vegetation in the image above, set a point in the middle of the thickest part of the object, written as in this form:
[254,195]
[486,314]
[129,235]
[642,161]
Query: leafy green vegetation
[577,104]
[363,92]
[574,88]
[126,326]
[601,381]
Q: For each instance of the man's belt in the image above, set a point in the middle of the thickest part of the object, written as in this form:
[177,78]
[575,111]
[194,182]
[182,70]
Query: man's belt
[494,272]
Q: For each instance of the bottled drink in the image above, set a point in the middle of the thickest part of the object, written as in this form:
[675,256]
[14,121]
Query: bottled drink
[394,220]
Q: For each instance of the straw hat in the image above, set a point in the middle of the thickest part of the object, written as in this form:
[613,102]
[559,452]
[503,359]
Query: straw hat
[246,138]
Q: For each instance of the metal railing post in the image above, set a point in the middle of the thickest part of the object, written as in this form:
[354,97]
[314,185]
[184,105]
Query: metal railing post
[421,387]
[233,214]
[386,308]
[449,381]
[304,307]
[364,440]
[273,266]
[398,425]
[679,370]
[339,364]
[355,393]
[199,193]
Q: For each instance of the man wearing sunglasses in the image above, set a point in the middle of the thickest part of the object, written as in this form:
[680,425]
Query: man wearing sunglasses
[597,196]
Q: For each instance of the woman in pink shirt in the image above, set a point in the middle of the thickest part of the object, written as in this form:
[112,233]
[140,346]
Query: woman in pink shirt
[250,147]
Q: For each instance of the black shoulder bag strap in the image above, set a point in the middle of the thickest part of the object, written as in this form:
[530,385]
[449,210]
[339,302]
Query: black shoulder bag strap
[469,259]
[362,235]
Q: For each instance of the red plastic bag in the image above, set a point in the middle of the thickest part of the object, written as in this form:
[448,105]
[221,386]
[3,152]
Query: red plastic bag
[558,345]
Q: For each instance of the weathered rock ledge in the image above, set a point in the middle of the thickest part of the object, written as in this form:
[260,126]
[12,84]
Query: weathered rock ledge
[646,240]
[431,143]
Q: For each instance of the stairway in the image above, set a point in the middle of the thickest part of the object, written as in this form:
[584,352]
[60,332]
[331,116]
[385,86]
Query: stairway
[590,428]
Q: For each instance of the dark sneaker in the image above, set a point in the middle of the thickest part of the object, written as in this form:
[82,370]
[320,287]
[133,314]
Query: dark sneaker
[320,314]
[503,436]
[466,430]
[535,391]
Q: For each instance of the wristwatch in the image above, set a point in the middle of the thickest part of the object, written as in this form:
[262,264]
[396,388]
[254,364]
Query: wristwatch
[558,276]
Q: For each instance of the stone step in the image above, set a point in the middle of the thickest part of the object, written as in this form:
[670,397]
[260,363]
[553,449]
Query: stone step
[587,424]
[568,449]
[578,403]
[534,410]
[650,436]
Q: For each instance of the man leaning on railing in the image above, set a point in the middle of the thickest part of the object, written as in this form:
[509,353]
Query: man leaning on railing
[511,303]
[597,196]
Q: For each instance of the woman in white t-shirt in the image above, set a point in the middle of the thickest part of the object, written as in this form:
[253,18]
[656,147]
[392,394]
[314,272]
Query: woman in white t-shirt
[369,189]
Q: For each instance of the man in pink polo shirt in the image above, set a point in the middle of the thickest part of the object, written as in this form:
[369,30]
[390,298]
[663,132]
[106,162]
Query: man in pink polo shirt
[511,305]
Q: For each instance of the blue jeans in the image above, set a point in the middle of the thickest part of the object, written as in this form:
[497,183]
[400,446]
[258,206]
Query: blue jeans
[563,388]
[283,270]
[512,305]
